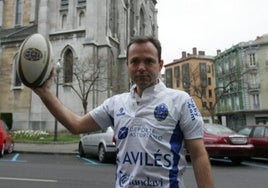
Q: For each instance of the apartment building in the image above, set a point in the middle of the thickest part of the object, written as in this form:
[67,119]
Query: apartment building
[193,73]
[242,84]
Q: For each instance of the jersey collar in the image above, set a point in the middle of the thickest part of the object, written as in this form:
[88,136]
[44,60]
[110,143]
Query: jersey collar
[150,90]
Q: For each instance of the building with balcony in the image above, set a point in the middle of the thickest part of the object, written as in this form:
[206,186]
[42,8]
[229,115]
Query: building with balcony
[242,84]
[193,73]
[81,32]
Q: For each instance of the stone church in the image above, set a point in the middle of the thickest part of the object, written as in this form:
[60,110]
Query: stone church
[89,40]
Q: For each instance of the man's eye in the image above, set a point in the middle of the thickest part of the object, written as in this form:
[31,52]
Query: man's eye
[149,61]
[134,62]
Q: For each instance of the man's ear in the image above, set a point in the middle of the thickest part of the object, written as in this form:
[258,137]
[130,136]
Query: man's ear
[161,64]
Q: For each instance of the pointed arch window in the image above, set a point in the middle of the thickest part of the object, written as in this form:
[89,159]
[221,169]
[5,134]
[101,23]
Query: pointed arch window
[63,21]
[16,82]
[68,66]
[81,19]
[142,22]
[113,18]
[132,19]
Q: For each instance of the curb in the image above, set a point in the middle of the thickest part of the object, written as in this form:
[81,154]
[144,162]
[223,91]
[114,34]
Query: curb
[60,149]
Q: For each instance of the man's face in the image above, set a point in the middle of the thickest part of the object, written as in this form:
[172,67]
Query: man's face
[143,64]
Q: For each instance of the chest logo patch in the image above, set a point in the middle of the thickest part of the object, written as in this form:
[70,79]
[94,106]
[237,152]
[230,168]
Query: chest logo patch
[123,132]
[161,112]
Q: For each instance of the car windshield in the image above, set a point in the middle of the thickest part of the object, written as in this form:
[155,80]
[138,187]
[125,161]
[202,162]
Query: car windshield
[245,131]
[216,128]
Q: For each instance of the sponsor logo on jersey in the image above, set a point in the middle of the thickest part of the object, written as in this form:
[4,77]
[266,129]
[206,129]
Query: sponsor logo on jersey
[161,112]
[121,112]
[144,132]
[194,112]
[126,179]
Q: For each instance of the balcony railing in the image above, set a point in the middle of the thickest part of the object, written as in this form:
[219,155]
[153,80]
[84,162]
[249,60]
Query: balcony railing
[253,87]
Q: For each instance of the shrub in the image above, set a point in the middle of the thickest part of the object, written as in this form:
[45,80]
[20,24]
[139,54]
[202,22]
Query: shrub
[30,134]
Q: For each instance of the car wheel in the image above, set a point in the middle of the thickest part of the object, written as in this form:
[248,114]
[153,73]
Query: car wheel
[2,150]
[81,150]
[11,148]
[102,154]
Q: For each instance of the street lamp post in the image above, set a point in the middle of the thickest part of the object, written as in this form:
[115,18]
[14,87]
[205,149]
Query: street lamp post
[57,94]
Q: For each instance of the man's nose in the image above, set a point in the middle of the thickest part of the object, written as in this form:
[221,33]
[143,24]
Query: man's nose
[141,66]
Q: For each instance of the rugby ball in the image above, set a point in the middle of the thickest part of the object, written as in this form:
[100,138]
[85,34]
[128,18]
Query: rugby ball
[34,60]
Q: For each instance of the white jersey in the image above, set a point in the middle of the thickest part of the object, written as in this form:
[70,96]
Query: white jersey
[149,134]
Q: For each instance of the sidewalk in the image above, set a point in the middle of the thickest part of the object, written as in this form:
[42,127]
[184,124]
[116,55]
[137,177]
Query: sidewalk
[47,148]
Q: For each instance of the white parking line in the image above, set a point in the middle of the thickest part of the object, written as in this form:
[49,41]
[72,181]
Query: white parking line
[29,179]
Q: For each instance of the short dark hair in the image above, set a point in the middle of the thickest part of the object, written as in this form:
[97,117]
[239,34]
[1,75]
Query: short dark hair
[144,39]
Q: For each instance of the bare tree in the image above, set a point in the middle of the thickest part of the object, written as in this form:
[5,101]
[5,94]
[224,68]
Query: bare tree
[232,82]
[198,86]
[87,73]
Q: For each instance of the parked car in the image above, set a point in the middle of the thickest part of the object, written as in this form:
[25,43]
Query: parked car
[258,136]
[101,144]
[6,140]
[222,142]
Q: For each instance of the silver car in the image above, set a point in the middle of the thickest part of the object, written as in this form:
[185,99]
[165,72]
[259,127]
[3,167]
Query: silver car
[101,144]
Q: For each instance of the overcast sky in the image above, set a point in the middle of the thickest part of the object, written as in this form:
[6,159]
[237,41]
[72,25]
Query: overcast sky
[208,25]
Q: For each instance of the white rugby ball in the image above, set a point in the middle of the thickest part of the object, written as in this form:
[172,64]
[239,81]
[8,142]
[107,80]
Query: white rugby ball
[34,61]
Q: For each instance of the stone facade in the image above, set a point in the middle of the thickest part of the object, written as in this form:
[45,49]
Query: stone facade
[80,31]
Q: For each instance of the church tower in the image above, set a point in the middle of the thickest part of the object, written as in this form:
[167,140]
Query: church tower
[89,39]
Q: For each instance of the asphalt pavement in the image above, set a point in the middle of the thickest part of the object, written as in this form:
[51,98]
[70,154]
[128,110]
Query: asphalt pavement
[61,148]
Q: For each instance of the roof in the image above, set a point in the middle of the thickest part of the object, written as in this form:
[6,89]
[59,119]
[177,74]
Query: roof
[16,34]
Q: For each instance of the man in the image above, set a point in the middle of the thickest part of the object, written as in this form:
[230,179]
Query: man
[152,124]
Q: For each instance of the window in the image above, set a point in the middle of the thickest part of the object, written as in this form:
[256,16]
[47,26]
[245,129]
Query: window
[256,100]
[185,75]
[261,120]
[208,69]
[258,132]
[203,74]
[16,82]
[236,101]
[252,59]
[18,18]
[68,66]
[266,61]
[169,78]
[82,1]
[210,93]
[81,19]
[209,81]
[266,133]
[142,23]
[64,21]
[204,105]
[64,2]
[177,75]
[210,105]
[132,19]
[245,131]
[113,18]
